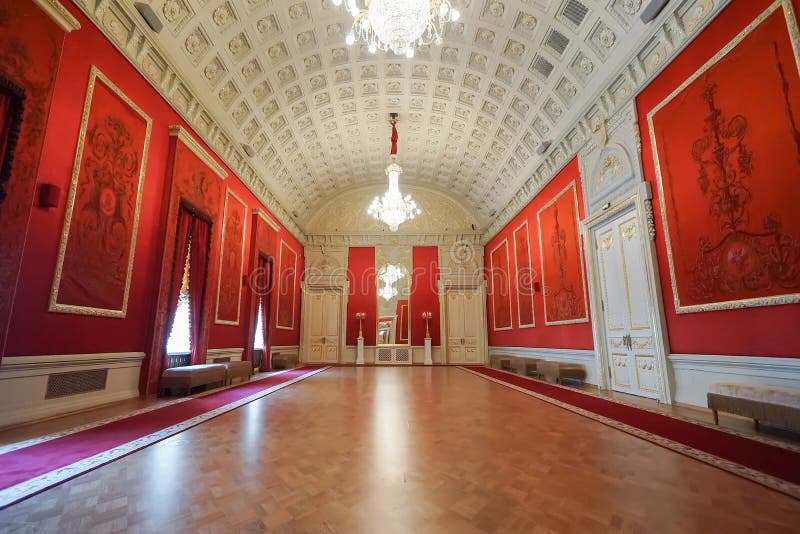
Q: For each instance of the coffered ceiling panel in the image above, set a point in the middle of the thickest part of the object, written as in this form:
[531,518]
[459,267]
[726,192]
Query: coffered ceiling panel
[277,75]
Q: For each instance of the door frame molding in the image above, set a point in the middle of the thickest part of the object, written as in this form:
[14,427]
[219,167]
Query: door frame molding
[307,290]
[640,202]
[450,285]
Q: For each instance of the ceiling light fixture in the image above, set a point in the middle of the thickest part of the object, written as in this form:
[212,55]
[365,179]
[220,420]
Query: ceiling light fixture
[392,208]
[399,25]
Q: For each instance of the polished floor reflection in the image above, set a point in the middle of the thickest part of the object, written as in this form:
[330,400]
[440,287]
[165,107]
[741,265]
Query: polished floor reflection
[404,450]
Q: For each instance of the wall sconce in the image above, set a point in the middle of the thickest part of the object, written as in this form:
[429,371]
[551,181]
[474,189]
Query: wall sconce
[49,195]
[427,316]
[360,316]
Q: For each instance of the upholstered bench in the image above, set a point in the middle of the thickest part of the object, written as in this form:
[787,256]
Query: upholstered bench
[190,376]
[558,371]
[532,367]
[779,406]
[242,370]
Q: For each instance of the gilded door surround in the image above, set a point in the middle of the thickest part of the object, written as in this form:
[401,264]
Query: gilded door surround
[308,290]
[639,203]
[445,286]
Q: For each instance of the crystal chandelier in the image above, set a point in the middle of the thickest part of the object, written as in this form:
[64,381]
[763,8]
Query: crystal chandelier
[392,208]
[399,25]
[390,275]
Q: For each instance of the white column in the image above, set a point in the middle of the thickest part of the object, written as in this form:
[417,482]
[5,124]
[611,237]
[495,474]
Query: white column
[360,351]
[428,352]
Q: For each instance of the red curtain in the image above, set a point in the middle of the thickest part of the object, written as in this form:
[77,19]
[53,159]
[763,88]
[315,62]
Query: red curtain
[265,292]
[5,123]
[198,267]
[183,233]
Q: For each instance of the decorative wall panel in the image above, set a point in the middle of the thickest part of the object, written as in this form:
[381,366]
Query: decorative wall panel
[501,286]
[287,283]
[727,154]
[562,260]
[98,241]
[229,287]
[525,276]
[30,47]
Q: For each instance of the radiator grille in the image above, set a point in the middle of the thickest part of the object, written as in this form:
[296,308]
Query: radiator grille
[65,384]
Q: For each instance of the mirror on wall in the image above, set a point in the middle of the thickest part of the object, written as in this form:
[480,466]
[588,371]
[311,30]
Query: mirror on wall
[393,283]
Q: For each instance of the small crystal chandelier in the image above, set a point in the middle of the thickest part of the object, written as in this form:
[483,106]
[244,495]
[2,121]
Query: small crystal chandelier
[390,275]
[399,25]
[392,208]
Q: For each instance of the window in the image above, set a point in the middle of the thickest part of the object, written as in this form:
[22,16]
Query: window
[258,342]
[180,334]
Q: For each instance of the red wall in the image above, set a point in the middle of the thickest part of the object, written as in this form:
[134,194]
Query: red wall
[425,294]
[69,334]
[363,293]
[764,331]
[568,336]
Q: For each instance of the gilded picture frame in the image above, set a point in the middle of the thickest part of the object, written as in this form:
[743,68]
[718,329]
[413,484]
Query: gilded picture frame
[506,287]
[230,196]
[794,36]
[292,295]
[95,77]
[524,227]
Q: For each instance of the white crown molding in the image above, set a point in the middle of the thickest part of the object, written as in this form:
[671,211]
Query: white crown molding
[371,240]
[125,29]
[60,15]
[176,130]
[266,218]
[668,38]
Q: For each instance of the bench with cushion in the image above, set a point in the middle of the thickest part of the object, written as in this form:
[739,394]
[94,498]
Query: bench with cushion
[558,371]
[779,406]
[190,376]
[241,370]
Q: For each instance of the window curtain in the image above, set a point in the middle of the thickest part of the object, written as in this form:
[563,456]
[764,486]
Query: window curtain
[265,292]
[6,101]
[182,238]
[198,267]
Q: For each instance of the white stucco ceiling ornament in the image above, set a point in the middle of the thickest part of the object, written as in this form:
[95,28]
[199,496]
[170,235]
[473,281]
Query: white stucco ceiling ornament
[278,76]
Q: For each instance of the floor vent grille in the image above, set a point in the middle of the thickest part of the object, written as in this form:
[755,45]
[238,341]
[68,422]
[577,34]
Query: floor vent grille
[73,383]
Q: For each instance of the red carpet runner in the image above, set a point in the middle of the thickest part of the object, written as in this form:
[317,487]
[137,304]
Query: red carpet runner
[774,466]
[31,467]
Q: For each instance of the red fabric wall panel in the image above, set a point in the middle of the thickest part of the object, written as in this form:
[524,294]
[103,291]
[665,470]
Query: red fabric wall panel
[762,331]
[425,294]
[572,336]
[30,49]
[363,293]
[69,334]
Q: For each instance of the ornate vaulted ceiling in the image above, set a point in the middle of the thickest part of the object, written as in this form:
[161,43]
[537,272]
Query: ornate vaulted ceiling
[277,75]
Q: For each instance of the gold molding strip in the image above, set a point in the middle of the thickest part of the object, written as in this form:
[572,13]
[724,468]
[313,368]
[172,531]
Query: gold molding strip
[60,15]
[183,135]
[267,219]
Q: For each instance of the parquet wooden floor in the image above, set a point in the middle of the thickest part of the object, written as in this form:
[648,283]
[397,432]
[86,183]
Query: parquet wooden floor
[404,450]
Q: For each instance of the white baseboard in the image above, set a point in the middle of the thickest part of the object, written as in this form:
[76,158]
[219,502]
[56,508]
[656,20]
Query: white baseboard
[234,354]
[23,384]
[581,356]
[694,373]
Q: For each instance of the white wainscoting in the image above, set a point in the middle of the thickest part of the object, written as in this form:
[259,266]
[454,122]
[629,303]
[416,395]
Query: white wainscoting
[23,384]
[693,373]
[582,356]
[234,354]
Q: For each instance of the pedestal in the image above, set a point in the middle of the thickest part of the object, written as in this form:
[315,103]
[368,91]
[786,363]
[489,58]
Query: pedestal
[360,351]
[428,352]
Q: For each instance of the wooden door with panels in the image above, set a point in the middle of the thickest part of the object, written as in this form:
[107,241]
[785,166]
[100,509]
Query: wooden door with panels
[464,326]
[324,328]
[626,305]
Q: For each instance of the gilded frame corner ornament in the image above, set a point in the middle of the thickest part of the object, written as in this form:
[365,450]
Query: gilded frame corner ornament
[794,38]
[54,306]
[228,195]
[503,242]
[294,285]
[516,268]
[585,319]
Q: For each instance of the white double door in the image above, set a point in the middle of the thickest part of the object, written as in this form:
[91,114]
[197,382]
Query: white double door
[627,306]
[465,324]
[324,328]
